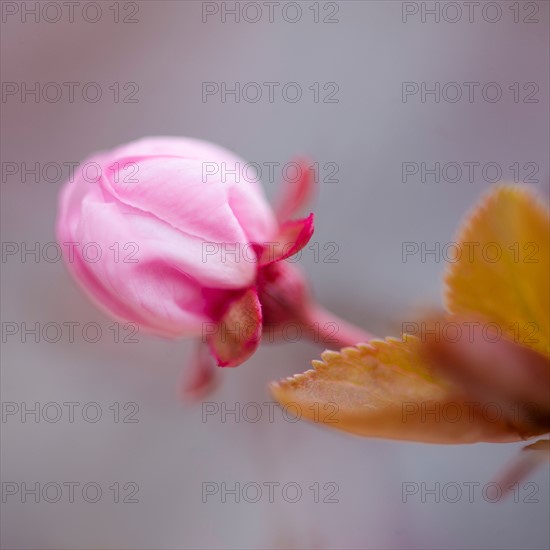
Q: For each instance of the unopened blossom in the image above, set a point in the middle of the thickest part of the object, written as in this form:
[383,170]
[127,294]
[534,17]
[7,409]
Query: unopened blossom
[188,246]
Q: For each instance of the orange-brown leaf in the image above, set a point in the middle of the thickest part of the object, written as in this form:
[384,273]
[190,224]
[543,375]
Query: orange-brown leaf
[384,389]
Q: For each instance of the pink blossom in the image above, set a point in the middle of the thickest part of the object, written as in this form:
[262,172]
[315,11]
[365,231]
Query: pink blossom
[183,251]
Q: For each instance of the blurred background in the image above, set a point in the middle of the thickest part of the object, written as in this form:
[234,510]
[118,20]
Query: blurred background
[149,453]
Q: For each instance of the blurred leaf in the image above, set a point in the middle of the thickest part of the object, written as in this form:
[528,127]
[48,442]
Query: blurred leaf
[505,375]
[512,289]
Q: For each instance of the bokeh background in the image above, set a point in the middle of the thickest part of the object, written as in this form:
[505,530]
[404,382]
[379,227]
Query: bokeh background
[368,51]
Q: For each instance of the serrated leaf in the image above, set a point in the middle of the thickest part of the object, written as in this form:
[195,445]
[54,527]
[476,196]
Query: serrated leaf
[384,389]
[503,272]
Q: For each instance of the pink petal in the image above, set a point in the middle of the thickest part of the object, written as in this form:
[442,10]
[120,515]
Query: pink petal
[199,376]
[174,176]
[292,237]
[172,190]
[162,284]
[253,212]
[294,196]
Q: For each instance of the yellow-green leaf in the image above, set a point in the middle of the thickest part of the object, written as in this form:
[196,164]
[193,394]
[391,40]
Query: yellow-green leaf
[503,272]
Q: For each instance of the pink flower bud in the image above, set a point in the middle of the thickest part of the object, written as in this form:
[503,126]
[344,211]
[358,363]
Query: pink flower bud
[164,215]
[183,243]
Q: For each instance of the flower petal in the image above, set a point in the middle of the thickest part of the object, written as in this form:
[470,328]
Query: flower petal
[158,273]
[295,195]
[292,237]
[194,185]
[172,190]
[200,376]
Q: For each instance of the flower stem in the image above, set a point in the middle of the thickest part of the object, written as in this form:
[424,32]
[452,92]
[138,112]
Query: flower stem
[324,327]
